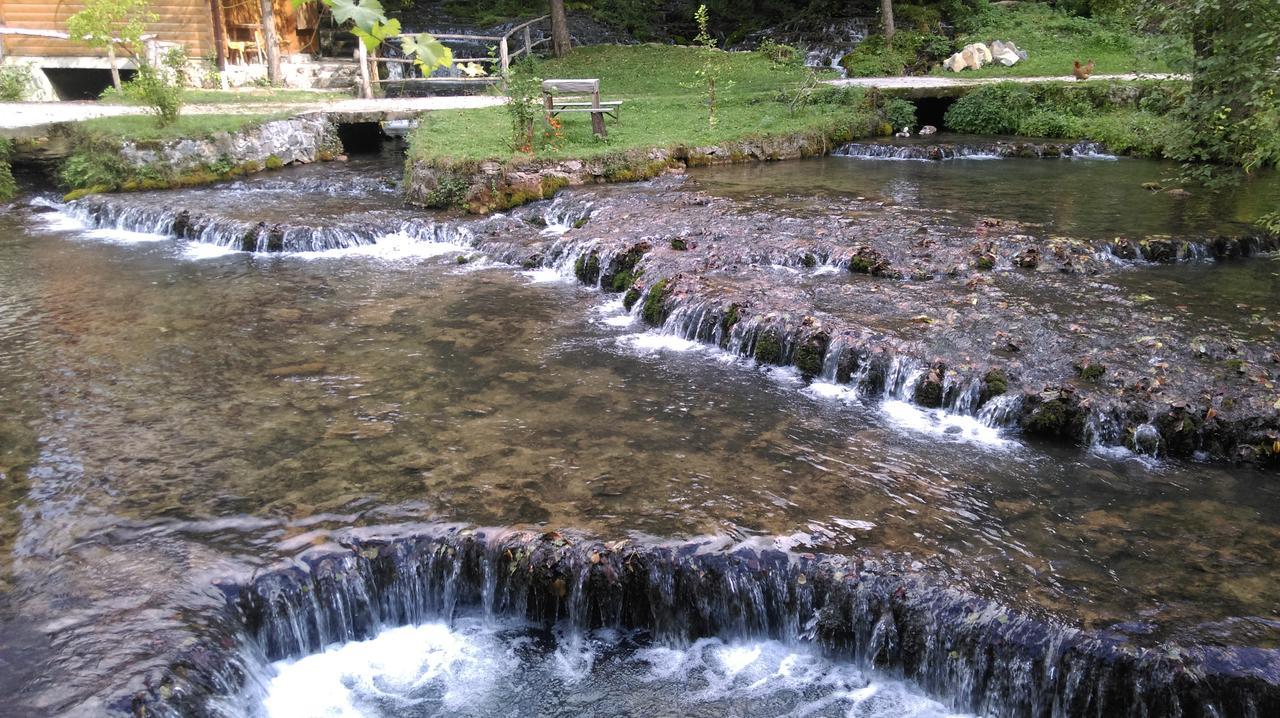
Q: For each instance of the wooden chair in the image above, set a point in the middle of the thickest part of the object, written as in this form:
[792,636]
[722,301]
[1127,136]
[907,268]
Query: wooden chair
[598,109]
[246,46]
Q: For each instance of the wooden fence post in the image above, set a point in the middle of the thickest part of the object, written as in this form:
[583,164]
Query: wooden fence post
[528,42]
[504,57]
[362,59]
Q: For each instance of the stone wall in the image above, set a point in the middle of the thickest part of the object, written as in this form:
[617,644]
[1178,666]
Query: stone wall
[302,139]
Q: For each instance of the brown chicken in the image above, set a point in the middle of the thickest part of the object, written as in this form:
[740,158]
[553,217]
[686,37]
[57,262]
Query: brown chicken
[1082,72]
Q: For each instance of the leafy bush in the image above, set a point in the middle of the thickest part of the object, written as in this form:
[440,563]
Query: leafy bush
[990,110]
[778,53]
[898,113]
[160,89]
[95,163]
[524,95]
[1047,123]
[15,82]
[912,53]
[8,187]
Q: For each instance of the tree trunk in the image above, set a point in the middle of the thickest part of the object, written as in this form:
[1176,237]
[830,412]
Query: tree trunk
[559,30]
[269,39]
[115,71]
[886,14]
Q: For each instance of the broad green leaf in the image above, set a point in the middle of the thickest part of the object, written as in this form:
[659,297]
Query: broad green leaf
[427,52]
[366,14]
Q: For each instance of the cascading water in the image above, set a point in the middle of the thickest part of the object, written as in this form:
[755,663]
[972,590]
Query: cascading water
[928,151]
[874,620]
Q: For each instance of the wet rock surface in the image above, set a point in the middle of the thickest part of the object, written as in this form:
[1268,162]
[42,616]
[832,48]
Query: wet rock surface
[1095,340]
[1086,334]
[893,615]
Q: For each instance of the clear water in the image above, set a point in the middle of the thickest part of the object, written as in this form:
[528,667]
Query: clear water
[175,414]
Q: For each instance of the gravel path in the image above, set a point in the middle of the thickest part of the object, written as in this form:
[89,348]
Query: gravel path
[932,81]
[32,114]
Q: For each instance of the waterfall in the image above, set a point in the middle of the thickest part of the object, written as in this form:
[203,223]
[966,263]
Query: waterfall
[878,613]
[1000,149]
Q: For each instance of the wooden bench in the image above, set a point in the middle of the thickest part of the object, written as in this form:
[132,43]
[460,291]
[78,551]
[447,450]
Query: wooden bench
[597,108]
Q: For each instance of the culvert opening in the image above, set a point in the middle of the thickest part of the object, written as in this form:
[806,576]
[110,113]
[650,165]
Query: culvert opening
[81,83]
[933,111]
[361,138]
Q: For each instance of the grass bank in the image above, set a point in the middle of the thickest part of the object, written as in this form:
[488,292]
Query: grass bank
[143,128]
[1132,118]
[1051,37]
[246,96]
[662,107]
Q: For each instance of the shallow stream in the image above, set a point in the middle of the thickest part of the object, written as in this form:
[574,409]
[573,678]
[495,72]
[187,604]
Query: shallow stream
[178,412]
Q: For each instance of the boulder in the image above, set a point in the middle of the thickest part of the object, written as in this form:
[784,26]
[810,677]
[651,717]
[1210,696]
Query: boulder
[1006,53]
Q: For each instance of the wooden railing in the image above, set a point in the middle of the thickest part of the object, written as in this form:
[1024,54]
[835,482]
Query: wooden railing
[502,58]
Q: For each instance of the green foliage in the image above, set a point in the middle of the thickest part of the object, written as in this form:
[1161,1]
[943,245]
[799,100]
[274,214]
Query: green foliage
[8,187]
[15,82]
[107,23]
[370,23]
[96,162]
[898,112]
[1232,114]
[160,89]
[524,94]
[1047,123]
[778,53]
[912,53]
[659,111]
[713,64]
[1117,42]
[991,110]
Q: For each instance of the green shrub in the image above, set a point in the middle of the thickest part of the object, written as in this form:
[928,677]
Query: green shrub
[8,187]
[990,110]
[524,95]
[15,82]
[160,89]
[899,112]
[778,53]
[95,163]
[1047,123]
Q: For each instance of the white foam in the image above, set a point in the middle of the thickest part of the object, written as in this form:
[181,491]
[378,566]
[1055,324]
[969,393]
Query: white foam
[613,314]
[654,342]
[846,393]
[545,275]
[456,667]
[59,221]
[943,424]
[391,247]
[204,250]
[474,668]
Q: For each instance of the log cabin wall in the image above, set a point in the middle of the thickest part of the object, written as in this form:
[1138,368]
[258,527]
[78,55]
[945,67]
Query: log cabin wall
[188,22]
[294,27]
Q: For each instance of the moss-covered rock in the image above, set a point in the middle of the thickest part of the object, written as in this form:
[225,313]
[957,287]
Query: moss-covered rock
[630,298]
[587,268]
[654,310]
[928,392]
[622,270]
[994,383]
[768,347]
[811,353]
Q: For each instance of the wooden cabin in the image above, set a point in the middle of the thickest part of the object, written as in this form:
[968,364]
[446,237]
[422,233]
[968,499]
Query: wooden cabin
[225,32]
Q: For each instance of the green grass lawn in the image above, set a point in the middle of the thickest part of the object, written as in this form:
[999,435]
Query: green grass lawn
[662,107]
[243,96]
[144,127]
[1054,39]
